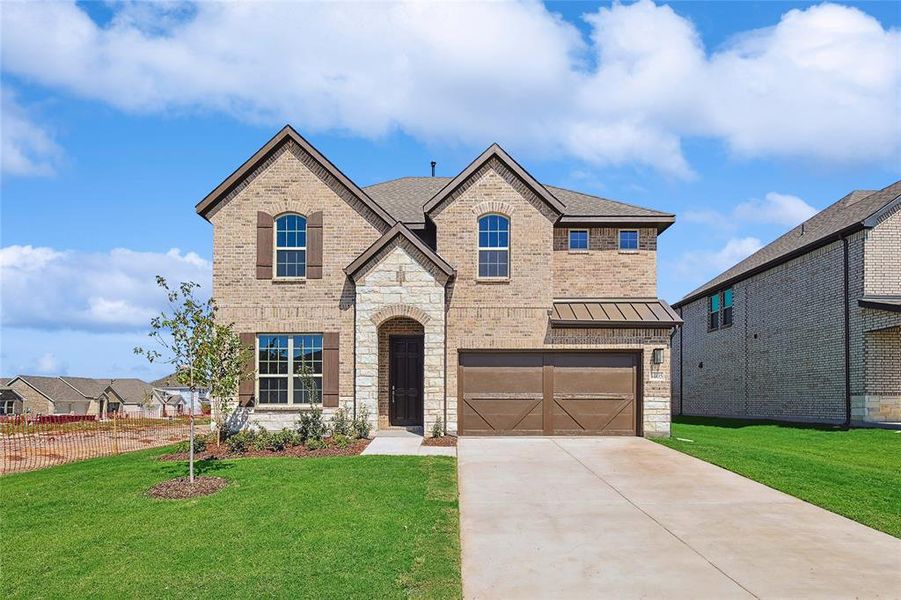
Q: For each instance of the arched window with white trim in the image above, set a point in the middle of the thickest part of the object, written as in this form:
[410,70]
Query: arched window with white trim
[291,246]
[494,247]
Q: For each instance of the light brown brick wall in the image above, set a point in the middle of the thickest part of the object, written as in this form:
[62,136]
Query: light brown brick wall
[32,401]
[396,326]
[605,270]
[291,182]
[513,314]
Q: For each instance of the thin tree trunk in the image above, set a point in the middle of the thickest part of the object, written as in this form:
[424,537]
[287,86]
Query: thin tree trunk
[191,443]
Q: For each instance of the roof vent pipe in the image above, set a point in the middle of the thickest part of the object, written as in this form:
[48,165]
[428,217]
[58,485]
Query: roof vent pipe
[802,228]
[434,164]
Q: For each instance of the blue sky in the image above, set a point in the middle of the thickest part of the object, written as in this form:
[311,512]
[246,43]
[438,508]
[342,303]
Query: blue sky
[741,118]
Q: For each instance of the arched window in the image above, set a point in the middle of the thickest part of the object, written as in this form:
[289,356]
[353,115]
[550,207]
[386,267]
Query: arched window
[291,246]
[494,247]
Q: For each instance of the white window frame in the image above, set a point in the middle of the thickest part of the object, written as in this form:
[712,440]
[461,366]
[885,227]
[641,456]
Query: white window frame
[290,375]
[480,248]
[9,407]
[276,247]
[619,233]
[569,240]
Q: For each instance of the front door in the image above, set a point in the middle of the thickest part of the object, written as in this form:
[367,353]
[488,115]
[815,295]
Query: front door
[405,359]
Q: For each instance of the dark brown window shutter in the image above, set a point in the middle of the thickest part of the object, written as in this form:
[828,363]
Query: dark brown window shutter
[330,367]
[247,386]
[314,246]
[264,245]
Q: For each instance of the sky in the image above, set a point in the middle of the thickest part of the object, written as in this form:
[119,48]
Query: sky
[742,118]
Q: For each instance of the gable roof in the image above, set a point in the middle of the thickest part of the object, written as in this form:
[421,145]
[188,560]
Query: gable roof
[857,210]
[494,151]
[286,134]
[53,388]
[87,386]
[131,391]
[404,199]
[399,230]
[169,380]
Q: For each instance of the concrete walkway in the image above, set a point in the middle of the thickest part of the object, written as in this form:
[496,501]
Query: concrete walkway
[399,442]
[628,518]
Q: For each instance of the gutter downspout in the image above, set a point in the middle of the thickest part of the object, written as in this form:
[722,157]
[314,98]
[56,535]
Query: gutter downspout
[445,361]
[845,252]
[681,361]
[355,355]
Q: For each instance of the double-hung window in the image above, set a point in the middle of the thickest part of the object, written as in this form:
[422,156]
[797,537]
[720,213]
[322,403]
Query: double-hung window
[494,247]
[628,239]
[578,239]
[291,246]
[290,368]
[727,307]
[713,303]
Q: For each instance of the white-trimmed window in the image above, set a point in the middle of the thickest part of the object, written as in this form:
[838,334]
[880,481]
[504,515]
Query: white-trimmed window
[291,246]
[282,360]
[628,239]
[578,240]
[494,247]
[7,407]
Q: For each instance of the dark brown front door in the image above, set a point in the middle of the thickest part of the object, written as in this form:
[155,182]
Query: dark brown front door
[405,358]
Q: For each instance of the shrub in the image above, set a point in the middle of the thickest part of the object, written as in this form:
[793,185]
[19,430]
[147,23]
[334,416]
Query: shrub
[285,438]
[342,424]
[199,445]
[361,424]
[340,440]
[312,425]
[240,442]
[315,444]
[262,440]
[437,428]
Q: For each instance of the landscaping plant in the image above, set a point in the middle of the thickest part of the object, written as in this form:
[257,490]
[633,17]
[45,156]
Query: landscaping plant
[361,424]
[205,353]
[342,423]
[437,429]
[311,425]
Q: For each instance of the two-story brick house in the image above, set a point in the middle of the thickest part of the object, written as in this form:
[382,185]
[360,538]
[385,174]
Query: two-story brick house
[488,301]
[806,329]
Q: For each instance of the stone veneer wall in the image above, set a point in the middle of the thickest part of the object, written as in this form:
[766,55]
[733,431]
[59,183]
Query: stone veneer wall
[397,285]
[393,326]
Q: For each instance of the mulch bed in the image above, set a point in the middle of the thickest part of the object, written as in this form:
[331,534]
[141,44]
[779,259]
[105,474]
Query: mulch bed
[221,451]
[445,440]
[181,488]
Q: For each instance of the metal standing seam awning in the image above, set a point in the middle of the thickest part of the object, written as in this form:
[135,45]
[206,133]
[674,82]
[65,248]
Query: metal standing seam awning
[614,312]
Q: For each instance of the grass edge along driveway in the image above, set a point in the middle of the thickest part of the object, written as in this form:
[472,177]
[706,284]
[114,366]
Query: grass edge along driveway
[349,527]
[854,473]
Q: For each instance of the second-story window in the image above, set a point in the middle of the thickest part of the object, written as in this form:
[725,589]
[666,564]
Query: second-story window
[578,239]
[713,304]
[494,247]
[628,239]
[291,246]
[727,307]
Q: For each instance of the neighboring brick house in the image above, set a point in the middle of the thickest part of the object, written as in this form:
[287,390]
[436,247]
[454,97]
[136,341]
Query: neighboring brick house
[806,329]
[86,396]
[487,302]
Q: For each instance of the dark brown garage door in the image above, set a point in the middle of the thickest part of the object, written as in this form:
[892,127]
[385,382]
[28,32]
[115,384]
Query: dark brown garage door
[550,393]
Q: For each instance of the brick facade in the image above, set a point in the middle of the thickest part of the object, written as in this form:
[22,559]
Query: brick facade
[784,356]
[399,290]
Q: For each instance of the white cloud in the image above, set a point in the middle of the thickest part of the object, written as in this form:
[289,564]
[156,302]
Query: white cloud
[49,289]
[26,148]
[821,84]
[783,210]
[698,266]
[48,363]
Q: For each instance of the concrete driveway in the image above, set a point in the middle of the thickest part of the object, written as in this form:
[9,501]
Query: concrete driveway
[627,518]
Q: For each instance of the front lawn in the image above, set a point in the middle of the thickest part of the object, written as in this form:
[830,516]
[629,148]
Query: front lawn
[336,527]
[854,473]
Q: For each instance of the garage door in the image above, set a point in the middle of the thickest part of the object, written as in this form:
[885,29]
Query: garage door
[551,393]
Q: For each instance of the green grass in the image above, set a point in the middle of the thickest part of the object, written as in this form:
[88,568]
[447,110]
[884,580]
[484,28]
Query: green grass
[854,473]
[337,527]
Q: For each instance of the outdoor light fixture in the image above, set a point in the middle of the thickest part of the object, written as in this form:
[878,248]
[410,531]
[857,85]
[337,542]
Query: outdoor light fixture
[657,356]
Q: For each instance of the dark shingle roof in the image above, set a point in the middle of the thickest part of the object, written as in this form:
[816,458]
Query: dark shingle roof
[846,215]
[132,391]
[168,381]
[87,386]
[404,198]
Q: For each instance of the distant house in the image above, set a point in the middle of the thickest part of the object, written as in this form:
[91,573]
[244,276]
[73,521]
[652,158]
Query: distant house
[42,395]
[182,394]
[10,400]
[808,328]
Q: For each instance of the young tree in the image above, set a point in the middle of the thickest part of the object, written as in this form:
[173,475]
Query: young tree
[205,353]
